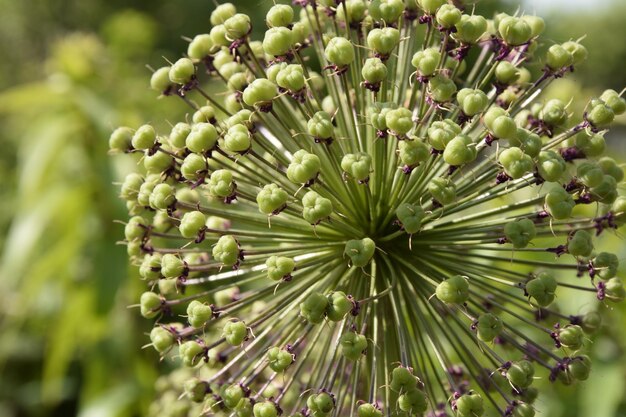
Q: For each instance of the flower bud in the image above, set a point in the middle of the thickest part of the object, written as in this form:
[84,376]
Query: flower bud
[413,401]
[232,396]
[171,266]
[399,121]
[612,99]
[499,123]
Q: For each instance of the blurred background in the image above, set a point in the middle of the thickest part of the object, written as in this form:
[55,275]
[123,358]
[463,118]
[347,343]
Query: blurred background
[71,71]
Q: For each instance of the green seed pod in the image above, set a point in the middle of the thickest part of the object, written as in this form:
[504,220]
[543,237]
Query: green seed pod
[448,16]
[279,267]
[443,190]
[529,142]
[320,404]
[579,367]
[410,216]
[605,265]
[233,103]
[571,336]
[162,197]
[355,11]
[278,41]
[237,26]
[200,47]
[441,88]
[279,15]
[374,71]
[193,167]
[536,23]
[198,314]
[515,31]
[235,332]
[542,288]
[591,146]
[150,267]
[260,92]
[488,327]
[222,13]
[383,41]
[559,203]
[171,266]
[291,78]
[182,71]
[338,306]
[460,151]
[403,380]
[554,113]
[121,139]
[160,79]
[315,207]
[191,353]
[506,73]
[590,174]
[232,396]
[178,135]
[279,359]
[431,6]
[551,166]
[614,290]
[377,116]
[145,190]
[202,138]
[520,374]
[499,123]
[472,101]
[304,167]
[591,322]
[386,11]
[313,308]
[271,199]
[162,339]
[523,410]
[150,304]
[612,99]
[470,28]
[442,132]
[610,167]
[515,162]
[136,228]
[454,290]
[221,184]
[360,251]
[339,51]
[144,138]
[320,126]
[195,389]
[158,162]
[242,117]
[238,81]
[357,165]
[230,69]
[413,401]
[580,244]
[579,53]
[558,57]
[265,409]
[399,121]
[470,405]
[412,152]
[426,61]
[237,139]
[352,345]
[191,223]
[226,251]
[520,232]
[368,410]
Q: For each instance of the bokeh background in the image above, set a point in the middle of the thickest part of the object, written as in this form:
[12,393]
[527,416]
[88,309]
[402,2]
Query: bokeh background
[71,71]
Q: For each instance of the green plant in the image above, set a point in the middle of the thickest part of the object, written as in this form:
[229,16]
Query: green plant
[420,222]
